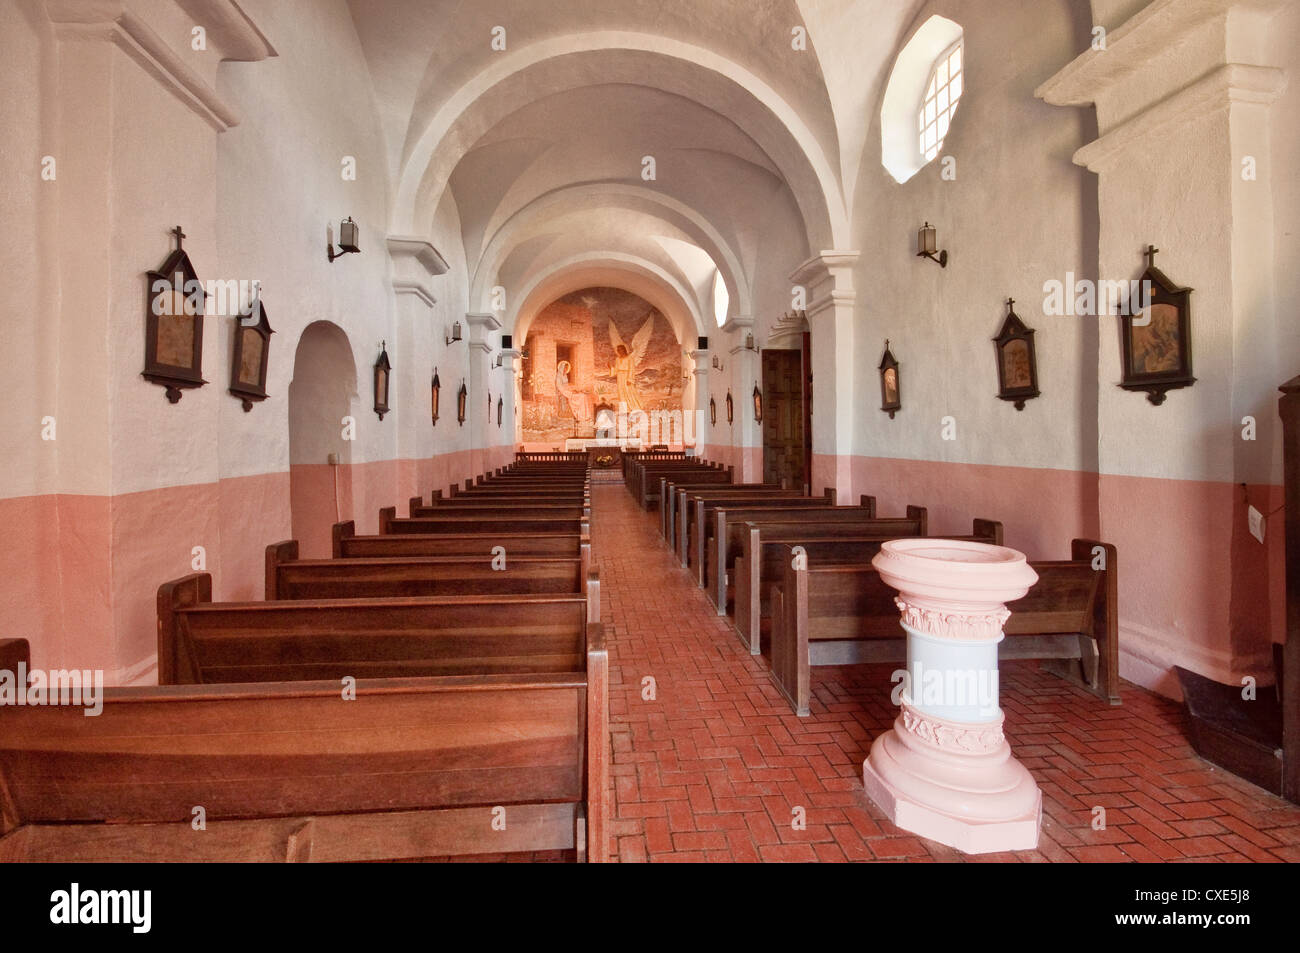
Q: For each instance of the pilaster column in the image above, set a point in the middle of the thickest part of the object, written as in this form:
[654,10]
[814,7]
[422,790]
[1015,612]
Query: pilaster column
[1184,162]
[828,283]
[745,373]
[945,770]
[414,264]
[480,383]
[506,381]
[703,429]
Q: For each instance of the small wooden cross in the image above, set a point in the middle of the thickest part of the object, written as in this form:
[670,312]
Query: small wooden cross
[1151,255]
[1010,302]
[179,236]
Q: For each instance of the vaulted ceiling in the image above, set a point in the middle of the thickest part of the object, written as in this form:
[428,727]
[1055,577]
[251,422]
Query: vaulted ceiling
[538,150]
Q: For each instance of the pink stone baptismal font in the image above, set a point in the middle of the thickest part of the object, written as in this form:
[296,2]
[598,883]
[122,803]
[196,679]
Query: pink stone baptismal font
[944,770]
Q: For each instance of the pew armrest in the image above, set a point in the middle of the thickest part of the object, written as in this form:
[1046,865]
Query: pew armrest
[868,503]
[597,780]
[15,652]
[285,551]
[175,665]
[989,531]
[1105,612]
[340,532]
[922,517]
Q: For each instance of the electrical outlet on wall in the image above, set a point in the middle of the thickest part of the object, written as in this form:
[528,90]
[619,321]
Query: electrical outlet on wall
[1255,520]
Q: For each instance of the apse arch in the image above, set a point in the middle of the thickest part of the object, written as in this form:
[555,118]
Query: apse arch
[522,76]
[627,272]
[610,195]
[322,393]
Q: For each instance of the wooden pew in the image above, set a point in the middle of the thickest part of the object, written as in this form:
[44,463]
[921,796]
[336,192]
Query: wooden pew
[288,577]
[205,642]
[829,543]
[488,523]
[348,545]
[413,767]
[837,615]
[695,523]
[671,490]
[645,479]
[502,506]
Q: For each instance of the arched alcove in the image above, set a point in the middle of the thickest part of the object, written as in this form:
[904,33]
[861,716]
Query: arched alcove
[322,393]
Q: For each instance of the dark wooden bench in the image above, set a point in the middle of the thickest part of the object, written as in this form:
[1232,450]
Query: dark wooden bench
[503,506]
[829,543]
[347,544]
[645,479]
[670,490]
[201,641]
[413,767]
[696,509]
[288,577]
[477,523]
[837,615]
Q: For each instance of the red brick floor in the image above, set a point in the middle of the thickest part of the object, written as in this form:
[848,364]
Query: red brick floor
[715,766]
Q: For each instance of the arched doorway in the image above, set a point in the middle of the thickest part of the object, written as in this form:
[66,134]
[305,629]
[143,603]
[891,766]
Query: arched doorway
[322,394]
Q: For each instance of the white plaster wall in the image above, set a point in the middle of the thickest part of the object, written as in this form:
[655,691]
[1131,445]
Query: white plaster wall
[1016,215]
[280,193]
[28,335]
[1284,117]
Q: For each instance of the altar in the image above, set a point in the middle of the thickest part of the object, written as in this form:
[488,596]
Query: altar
[603,453]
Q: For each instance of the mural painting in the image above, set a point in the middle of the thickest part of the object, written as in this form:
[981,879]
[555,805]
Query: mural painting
[590,350]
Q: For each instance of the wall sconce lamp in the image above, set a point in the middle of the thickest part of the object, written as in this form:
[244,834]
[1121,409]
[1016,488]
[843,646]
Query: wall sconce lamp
[347,240]
[454,334]
[749,342]
[927,245]
[717,365]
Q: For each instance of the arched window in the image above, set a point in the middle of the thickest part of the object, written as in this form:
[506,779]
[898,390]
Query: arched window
[940,102]
[927,80]
[721,299]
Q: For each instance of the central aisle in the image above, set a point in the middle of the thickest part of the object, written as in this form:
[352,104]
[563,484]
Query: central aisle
[714,766]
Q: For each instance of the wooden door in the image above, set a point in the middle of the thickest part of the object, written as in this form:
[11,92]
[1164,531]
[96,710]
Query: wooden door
[784,460]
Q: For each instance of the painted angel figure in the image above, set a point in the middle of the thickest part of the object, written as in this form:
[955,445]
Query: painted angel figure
[579,403]
[627,361]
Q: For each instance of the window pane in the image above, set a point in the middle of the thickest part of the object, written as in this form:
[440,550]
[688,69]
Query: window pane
[954,88]
[941,74]
[930,138]
[930,154]
[943,125]
[954,61]
[942,100]
[920,143]
[929,112]
[920,120]
[929,90]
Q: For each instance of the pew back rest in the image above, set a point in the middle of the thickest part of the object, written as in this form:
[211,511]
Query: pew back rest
[349,545]
[245,751]
[201,642]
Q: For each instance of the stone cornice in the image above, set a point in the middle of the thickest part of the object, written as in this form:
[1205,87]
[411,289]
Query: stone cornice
[822,266]
[419,251]
[1230,84]
[111,21]
[1160,24]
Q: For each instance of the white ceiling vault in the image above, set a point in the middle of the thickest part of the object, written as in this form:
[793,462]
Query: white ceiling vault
[537,150]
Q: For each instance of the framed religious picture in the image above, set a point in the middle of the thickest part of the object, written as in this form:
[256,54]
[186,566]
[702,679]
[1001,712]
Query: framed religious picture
[461,397]
[1156,335]
[1017,360]
[731,410]
[713,411]
[382,372]
[435,391]
[499,407]
[173,343]
[758,405]
[252,352]
[890,392]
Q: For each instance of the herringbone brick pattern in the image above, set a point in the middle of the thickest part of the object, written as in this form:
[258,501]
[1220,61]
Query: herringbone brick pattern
[715,766]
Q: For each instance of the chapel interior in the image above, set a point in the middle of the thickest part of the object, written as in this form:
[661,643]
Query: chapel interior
[575,431]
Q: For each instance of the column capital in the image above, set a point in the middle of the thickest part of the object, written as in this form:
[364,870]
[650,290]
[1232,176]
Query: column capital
[415,262]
